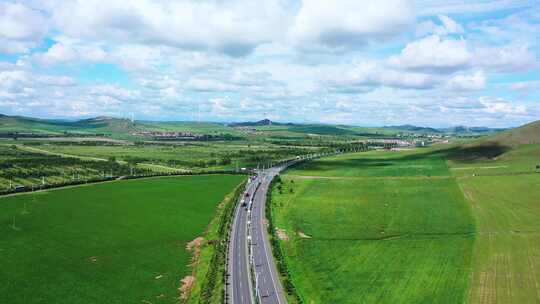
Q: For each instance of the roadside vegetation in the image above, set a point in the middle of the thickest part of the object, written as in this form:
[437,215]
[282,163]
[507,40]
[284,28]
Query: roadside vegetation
[117,242]
[209,265]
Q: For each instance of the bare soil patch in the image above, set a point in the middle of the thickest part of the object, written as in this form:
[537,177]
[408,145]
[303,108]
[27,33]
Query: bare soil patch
[303,235]
[185,289]
[282,235]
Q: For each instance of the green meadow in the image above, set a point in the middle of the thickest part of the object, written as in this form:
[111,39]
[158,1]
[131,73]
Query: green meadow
[504,193]
[116,242]
[423,162]
[378,227]
[448,224]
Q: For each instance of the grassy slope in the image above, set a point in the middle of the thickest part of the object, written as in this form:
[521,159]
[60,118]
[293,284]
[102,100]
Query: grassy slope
[503,192]
[117,128]
[388,239]
[136,230]
[22,124]
[527,134]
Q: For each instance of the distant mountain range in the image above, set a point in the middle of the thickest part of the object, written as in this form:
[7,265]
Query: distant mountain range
[451,130]
[264,122]
[411,128]
[260,123]
[121,127]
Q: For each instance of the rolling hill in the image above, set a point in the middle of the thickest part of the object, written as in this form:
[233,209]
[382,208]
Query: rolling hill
[102,125]
[414,129]
[494,146]
[526,134]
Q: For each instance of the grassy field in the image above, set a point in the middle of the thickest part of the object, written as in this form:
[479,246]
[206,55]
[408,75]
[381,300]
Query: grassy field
[423,162]
[118,242]
[507,251]
[520,160]
[448,224]
[378,227]
[504,194]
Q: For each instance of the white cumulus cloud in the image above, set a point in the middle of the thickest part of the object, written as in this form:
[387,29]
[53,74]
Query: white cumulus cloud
[350,23]
[433,54]
[476,81]
[21,28]
[233,27]
[510,58]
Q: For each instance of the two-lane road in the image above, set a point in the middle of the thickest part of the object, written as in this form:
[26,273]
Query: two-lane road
[239,289]
[268,286]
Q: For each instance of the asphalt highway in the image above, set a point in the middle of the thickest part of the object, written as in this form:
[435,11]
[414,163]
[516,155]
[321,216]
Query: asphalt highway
[253,276]
[267,284]
[239,288]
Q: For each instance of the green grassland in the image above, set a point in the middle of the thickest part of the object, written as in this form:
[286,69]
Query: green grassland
[447,224]
[113,127]
[296,130]
[375,228]
[522,159]
[423,162]
[504,193]
[507,252]
[116,242]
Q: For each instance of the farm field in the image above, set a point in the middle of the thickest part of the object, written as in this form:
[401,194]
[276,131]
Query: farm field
[117,242]
[212,156]
[507,251]
[504,197]
[403,235]
[421,162]
[27,167]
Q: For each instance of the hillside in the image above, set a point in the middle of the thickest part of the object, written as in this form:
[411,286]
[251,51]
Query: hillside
[264,122]
[494,146]
[102,125]
[411,128]
[30,125]
[97,125]
[526,134]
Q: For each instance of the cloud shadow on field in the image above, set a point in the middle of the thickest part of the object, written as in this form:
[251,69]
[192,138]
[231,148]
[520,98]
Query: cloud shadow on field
[461,154]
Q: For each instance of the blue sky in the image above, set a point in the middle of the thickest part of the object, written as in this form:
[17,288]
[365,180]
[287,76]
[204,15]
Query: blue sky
[423,62]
